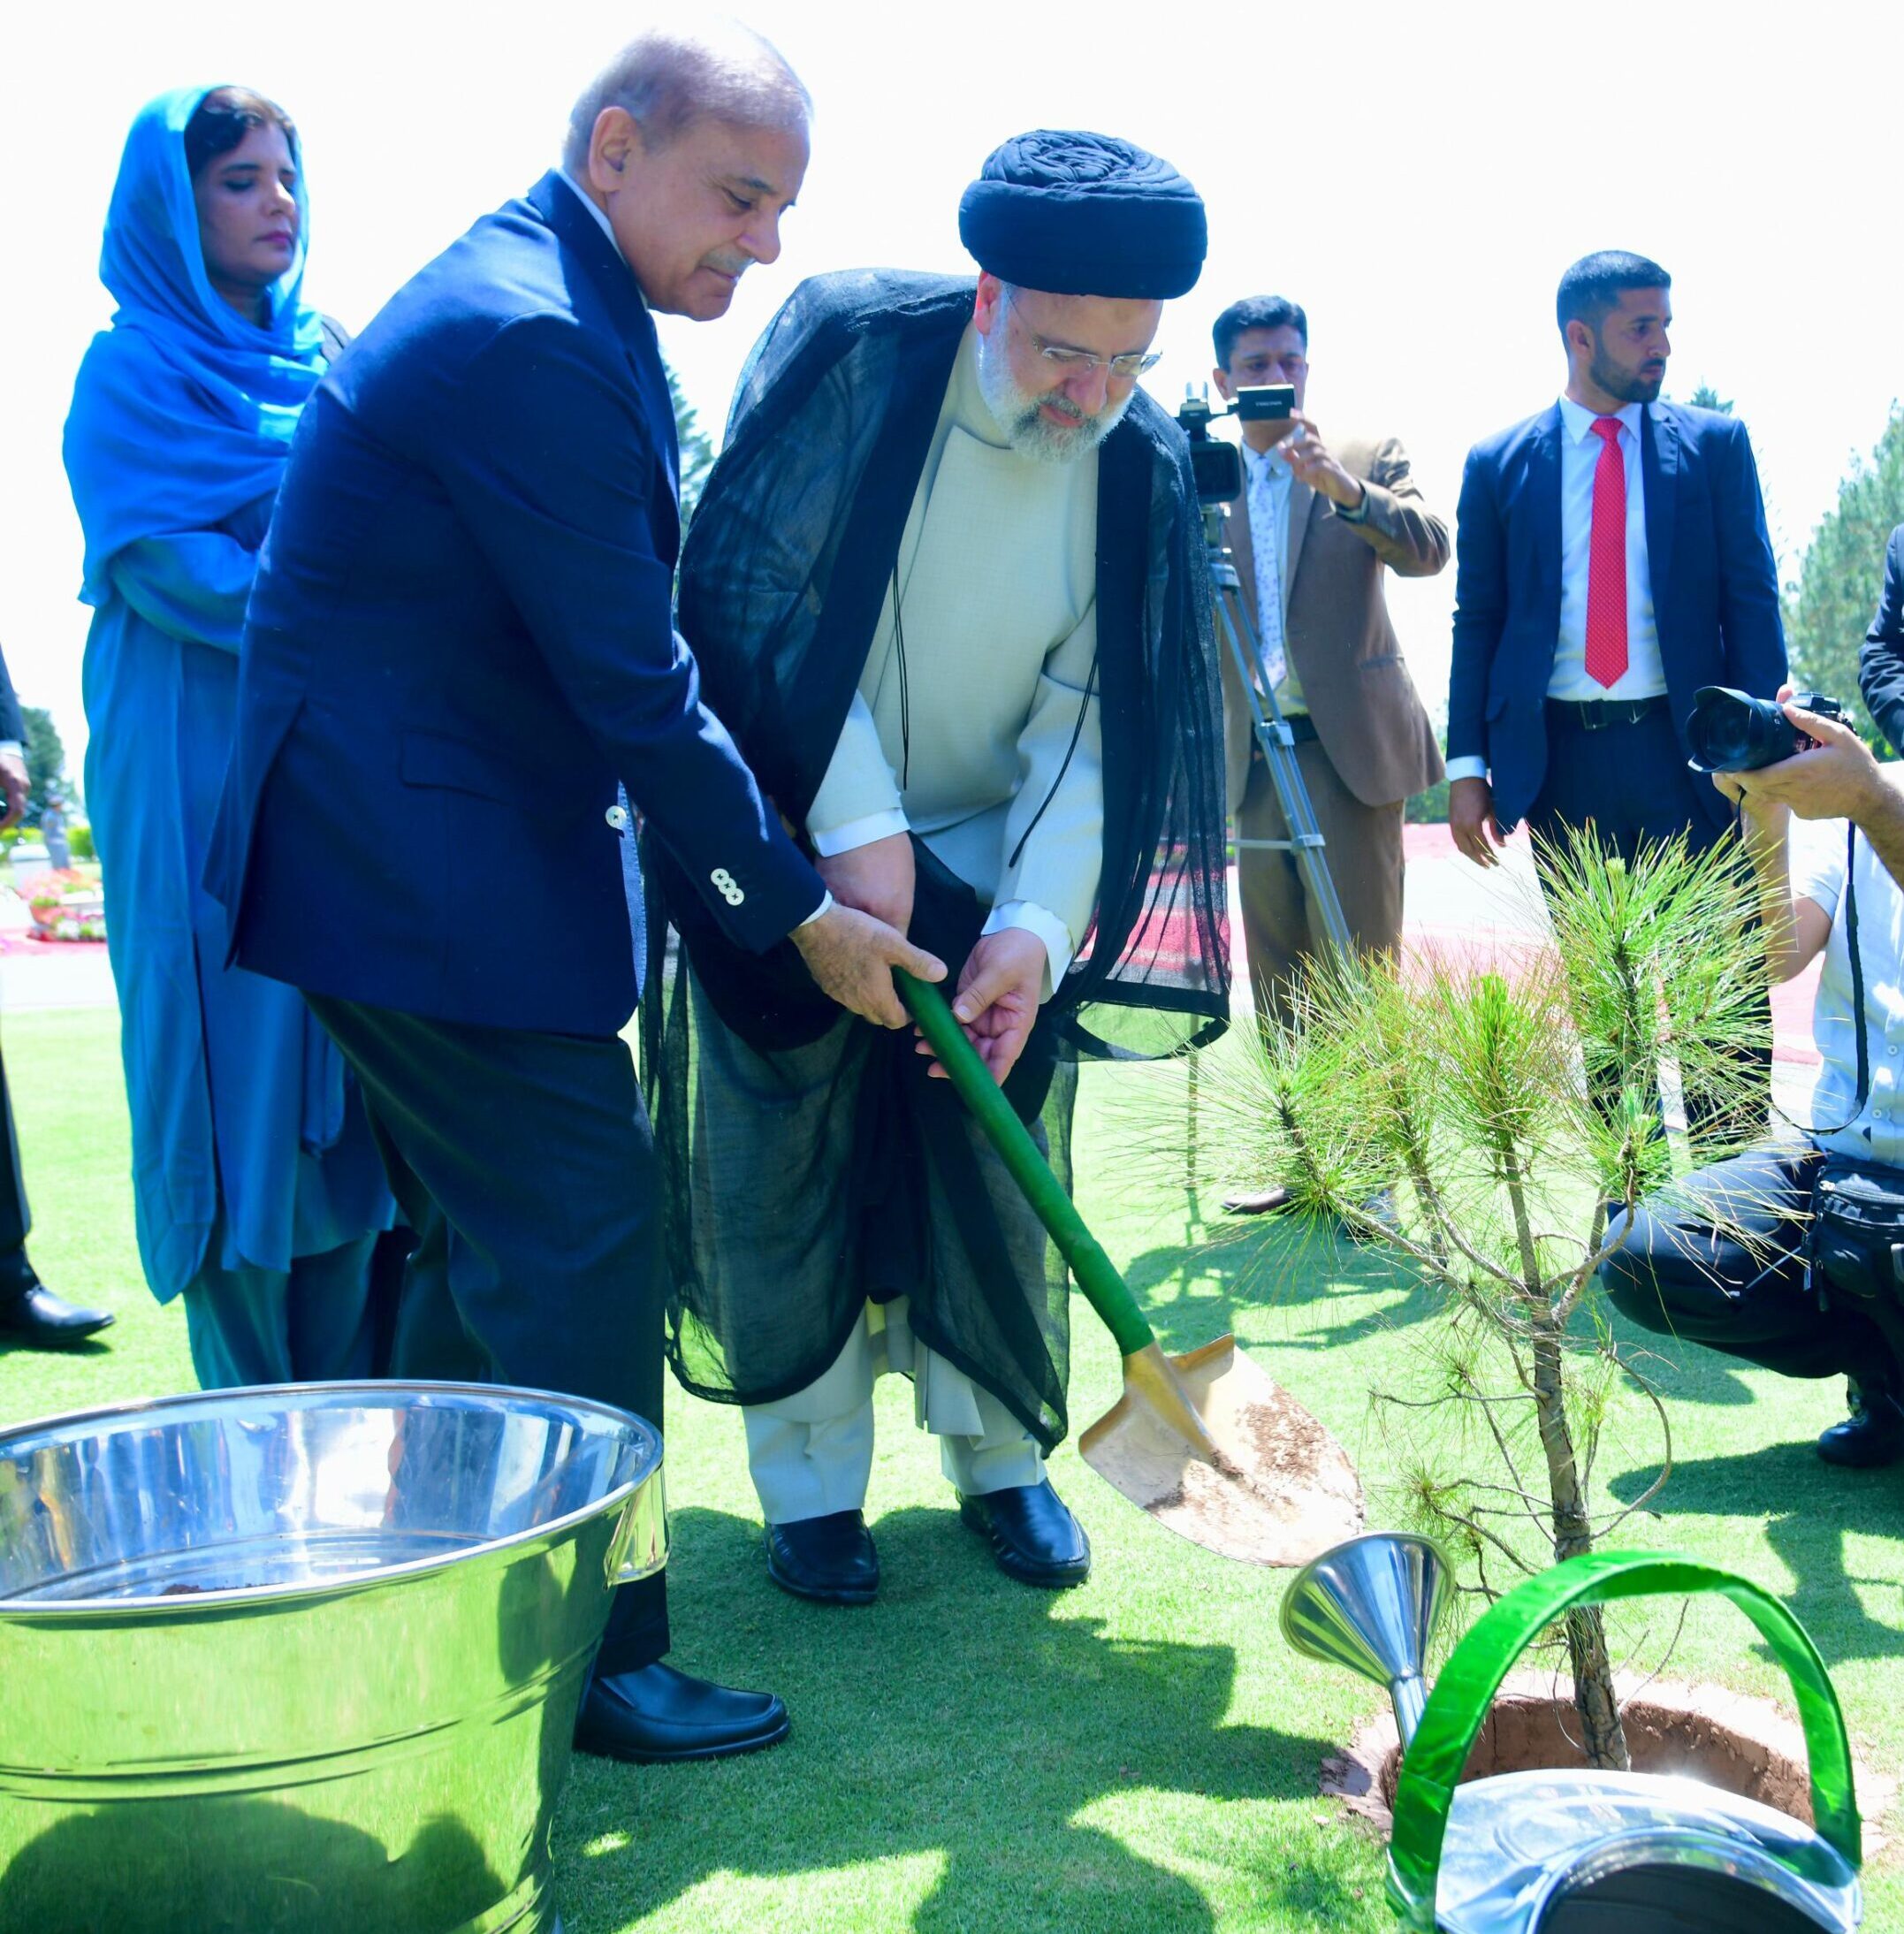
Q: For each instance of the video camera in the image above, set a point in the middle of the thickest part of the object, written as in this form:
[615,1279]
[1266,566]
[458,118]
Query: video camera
[1218,467]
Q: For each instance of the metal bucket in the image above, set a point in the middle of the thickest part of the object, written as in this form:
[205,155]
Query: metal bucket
[305,1657]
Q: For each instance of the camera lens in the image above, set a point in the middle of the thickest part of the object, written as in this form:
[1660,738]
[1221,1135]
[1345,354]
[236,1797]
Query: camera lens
[1732,732]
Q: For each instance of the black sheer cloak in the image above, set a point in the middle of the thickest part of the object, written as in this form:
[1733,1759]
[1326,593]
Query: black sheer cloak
[806,1162]
[783,577]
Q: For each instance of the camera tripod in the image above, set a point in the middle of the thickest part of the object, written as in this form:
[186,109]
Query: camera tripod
[1278,744]
[1278,741]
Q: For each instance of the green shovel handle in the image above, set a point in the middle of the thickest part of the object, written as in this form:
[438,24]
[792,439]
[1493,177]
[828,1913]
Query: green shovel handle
[1431,1767]
[1097,1274]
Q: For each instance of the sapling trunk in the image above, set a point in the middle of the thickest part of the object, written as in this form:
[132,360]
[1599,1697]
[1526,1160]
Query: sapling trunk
[1603,1735]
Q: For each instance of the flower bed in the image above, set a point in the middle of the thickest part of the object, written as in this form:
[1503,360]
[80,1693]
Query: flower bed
[66,905]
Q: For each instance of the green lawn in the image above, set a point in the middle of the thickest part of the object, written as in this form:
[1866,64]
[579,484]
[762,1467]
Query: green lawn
[968,1755]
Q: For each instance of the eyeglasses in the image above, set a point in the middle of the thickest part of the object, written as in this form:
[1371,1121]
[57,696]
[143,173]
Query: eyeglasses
[1129,366]
[1082,363]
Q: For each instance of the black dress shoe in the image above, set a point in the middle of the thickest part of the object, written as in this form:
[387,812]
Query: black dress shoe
[1265,1202]
[1032,1534]
[657,1715]
[42,1320]
[830,1559]
[1870,1437]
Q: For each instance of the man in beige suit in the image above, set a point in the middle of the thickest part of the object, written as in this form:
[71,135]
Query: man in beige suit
[1312,535]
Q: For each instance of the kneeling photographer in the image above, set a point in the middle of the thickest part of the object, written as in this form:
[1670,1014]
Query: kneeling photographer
[1818,1288]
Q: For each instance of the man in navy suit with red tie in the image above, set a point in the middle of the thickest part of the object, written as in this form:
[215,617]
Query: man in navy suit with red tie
[1611,558]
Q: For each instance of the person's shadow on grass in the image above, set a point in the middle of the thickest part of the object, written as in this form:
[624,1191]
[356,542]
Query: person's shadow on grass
[1211,1277]
[1810,1508]
[964,1716]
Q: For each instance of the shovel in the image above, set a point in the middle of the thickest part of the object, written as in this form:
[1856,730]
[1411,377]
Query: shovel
[1204,1442]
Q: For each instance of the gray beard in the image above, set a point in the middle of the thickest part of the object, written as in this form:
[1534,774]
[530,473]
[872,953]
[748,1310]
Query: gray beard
[1018,414]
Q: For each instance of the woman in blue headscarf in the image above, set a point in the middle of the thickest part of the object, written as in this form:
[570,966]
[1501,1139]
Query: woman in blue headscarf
[258,1189]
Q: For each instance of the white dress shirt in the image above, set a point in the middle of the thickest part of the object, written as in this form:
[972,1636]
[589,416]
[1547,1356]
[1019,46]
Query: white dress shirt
[1818,875]
[1269,486]
[1645,674]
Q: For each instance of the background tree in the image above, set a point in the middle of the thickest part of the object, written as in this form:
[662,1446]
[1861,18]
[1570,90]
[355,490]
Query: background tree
[1705,397]
[696,448]
[46,764]
[1828,608]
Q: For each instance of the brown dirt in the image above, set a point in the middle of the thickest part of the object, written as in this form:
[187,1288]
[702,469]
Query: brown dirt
[1742,1746]
[1288,1441]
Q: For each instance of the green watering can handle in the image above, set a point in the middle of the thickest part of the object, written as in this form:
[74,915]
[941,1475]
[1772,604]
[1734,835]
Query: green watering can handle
[1097,1274]
[1464,1691]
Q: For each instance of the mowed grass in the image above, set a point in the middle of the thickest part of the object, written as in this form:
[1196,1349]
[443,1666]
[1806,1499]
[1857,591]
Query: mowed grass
[969,1755]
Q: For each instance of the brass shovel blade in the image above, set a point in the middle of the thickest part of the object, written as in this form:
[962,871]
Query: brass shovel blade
[1210,1447]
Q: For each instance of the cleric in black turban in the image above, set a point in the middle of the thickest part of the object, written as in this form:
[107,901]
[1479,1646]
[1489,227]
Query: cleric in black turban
[946,588]
[1082,214]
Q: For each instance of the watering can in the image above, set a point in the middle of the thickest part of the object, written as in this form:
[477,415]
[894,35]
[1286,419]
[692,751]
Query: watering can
[1554,1852]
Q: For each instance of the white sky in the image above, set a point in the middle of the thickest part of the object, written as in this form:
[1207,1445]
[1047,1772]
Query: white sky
[1416,176]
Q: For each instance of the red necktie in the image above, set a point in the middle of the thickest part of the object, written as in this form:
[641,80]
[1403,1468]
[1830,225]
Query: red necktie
[1606,560]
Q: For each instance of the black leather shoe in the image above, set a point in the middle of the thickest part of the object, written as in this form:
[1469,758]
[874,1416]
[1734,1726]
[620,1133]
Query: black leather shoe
[657,1715]
[1033,1535]
[1265,1202]
[830,1559]
[1870,1437]
[42,1320]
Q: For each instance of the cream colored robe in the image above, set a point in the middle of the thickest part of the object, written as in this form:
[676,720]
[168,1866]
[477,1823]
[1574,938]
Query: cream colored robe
[996,601]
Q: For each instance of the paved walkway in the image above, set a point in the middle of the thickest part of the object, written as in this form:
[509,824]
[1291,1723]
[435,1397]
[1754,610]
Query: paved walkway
[36,973]
[1450,899]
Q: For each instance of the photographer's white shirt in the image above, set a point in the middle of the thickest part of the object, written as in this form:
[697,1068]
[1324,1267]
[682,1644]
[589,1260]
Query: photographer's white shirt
[1818,875]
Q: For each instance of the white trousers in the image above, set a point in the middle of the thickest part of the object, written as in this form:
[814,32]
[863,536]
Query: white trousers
[810,1454]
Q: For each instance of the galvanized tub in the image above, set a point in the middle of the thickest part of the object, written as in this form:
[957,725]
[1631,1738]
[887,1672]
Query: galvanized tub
[305,1657]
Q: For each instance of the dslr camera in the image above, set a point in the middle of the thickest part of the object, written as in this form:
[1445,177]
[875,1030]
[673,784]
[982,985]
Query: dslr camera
[1218,465]
[1732,732]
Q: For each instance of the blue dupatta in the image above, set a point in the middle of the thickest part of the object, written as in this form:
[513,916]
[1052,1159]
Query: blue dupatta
[184,409]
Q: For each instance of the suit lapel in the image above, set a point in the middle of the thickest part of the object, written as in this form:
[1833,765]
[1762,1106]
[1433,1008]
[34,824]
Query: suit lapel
[1543,496]
[1659,470]
[1301,509]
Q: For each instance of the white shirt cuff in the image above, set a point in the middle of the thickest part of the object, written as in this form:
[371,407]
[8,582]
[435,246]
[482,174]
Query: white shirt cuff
[1473,766]
[843,839]
[14,747]
[1048,926]
[819,912]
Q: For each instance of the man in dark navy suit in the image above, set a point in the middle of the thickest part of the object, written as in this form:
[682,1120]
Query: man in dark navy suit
[458,667]
[1610,557]
[1881,661]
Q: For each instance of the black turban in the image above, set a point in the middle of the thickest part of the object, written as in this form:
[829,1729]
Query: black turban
[1083,214]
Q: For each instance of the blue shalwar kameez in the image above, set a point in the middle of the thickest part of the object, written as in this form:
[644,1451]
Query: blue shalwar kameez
[258,1190]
